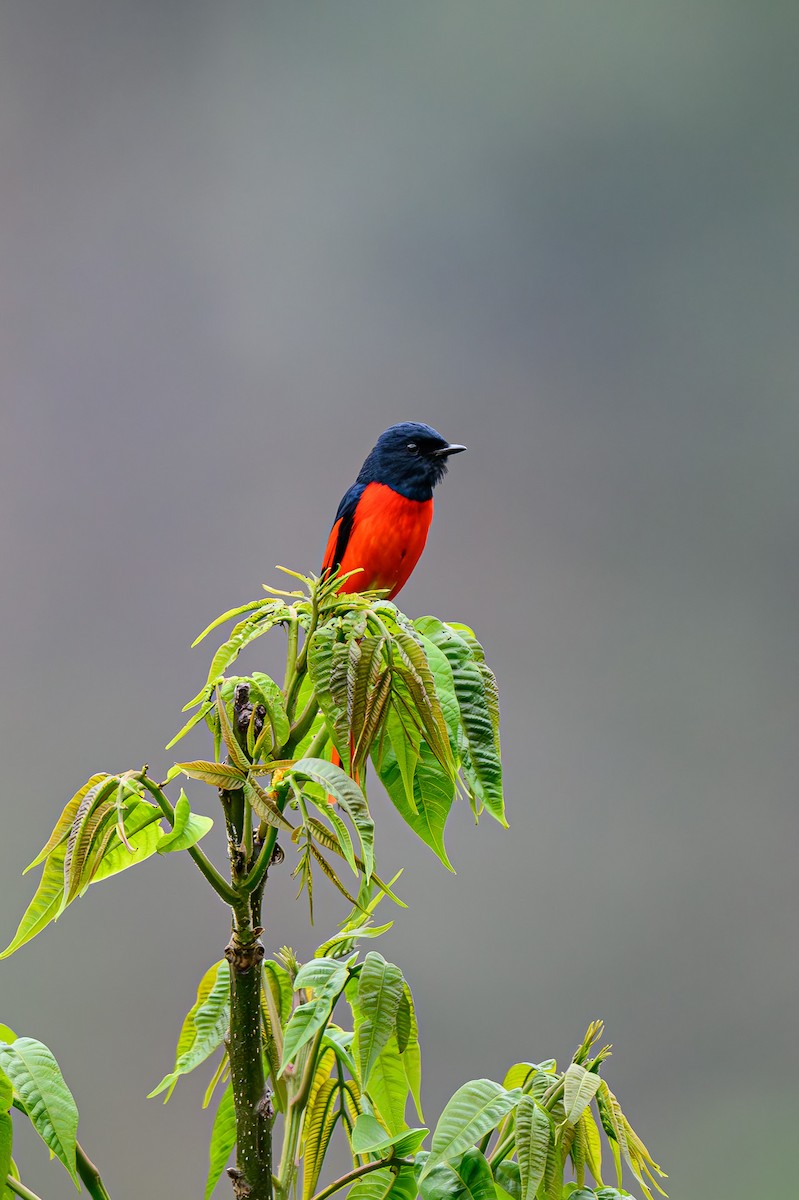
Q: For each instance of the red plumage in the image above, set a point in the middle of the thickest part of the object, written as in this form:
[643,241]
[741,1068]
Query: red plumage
[386,538]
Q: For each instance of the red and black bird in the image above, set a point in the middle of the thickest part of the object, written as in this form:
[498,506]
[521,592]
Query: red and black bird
[382,521]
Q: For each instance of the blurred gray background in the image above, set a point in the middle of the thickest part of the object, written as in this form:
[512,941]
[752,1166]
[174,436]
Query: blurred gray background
[237,241]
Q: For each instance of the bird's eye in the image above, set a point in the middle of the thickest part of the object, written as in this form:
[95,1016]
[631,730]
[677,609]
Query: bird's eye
[412,448]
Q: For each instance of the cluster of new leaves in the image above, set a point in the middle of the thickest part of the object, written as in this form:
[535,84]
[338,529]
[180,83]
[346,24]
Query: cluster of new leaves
[511,1141]
[363,684]
[107,826]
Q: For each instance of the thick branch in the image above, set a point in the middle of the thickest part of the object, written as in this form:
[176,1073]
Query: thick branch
[252,1177]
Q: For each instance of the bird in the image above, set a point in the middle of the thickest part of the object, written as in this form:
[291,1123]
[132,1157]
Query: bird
[383,519]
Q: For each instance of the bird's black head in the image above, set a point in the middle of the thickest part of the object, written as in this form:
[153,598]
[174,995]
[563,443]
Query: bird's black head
[410,458]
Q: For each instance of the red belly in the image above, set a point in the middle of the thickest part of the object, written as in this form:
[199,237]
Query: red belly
[387,537]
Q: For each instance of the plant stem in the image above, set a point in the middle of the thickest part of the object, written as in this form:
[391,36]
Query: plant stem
[318,744]
[208,869]
[291,1137]
[90,1175]
[251,1097]
[19,1189]
[358,1172]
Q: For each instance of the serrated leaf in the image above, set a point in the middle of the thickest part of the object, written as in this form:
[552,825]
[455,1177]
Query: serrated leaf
[327,668]
[254,626]
[339,839]
[579,1088]
[420,682]
[201,713]
[204,1026]
[474,1110]
[47,1100]
[350,797]
[593,1146]
[320,1121]
[478,715]
[229,616]
[533,1135]
[220,775]
[380,989]
[188,829]
[65,821]
[223,1139]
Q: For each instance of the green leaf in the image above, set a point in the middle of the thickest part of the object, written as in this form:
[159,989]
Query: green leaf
[48,900]
[47,1100]
[327,669]
[204,1026]
[434,792]
[229,616]
[579,1088]
[278,981]
[223,1139]
[467,1178]
[349,796]
[309,1018]
[380,989]
[6,1145]
[142,833]
[265,690]
[46,903]
[384,1184]
[533,1134]
[368,1136]
[474,1110]
[409,1048]
[188,829]
[322,972]
[219,775]
[337,839]
[405,738]
[418,679]
[508,1178]
[6,1034]
[478,711]
[193,720]
[320,1121]
[65,821]
[260,622]
[388,1087]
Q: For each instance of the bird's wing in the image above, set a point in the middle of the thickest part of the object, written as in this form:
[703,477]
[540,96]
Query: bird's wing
[342,527]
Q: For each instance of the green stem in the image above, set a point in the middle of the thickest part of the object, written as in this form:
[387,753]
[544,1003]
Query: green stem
[291,658]
[318,744]
[291,1137]
[208,869]
[304,722]
[19,1189]
[358,1172]
[90,1175]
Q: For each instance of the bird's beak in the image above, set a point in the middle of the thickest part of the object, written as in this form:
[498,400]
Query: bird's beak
[445,451]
